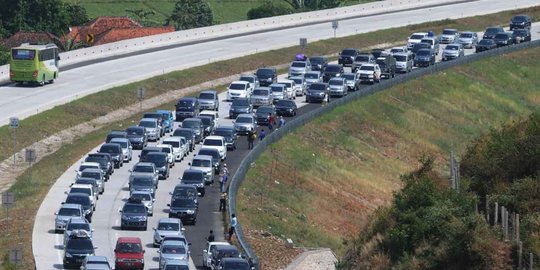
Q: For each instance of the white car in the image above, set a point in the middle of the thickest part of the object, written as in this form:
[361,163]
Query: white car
[207,253]
[126,147]
[415,38]
[370,73]
[213,114]
[86,189]
[216,142]
[169,150]
[239,89]
[87,165]
[290,85]
[176,143]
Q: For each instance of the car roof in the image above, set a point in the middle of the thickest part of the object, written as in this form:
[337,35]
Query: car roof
[239,82]
[204,157]
[188,99]
[94,170]
[244,115]
[176,262]
[119,139]
[72,205]
[97,267]
[148,119]
[169,220]
[78,194]
[117,132]
[125,239]
[208,112]
[338,78]
[97,259]
[173,242]
[227,247]
[419,33]
[78,220]
[141,192]
[402,53]
[214,137]
[90,163]
[285,81]
[220,243]
[144,164]
[172,138]
[233,259]
[227,127]
[193,171]
[278,84]
[111,144]
[468,32]
[82,186]
[248,75]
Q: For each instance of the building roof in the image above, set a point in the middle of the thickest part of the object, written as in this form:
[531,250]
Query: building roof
[28,37]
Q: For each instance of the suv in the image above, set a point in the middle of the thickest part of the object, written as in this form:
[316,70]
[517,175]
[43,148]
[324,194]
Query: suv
[115,150]
[266,76]
[363,58]
[299,68]
[263,113]
[96,263]
[85,189]
[208,123]
[187,107]
[172,250]
[520,22]
[105,162]
[338,87]
[313,77]
[331,71]
[129,253]
[448,36]
[219,252]
[352,80]
[317,92]
[404,61]
[468,39]
[216,142]
[244,123]
[146,198]
[189,135]
[370,73]
[134,215]
[251,79]
[239,106]
[261,96]
[279,91]
[185,191]
[152,128]
[137,136]
[289,86]
[161,161]
[318,63]
[168,120]
[229,134]
[125,144]
[196,125]
[415,38]
[452,51]
[347,56]
[97,175]
[207,252]
[216,157]
[84,200]
[424,58]
[116,134]
[65,213]
[199,173]
[77,223]
[239,89]
[179,149]
[387,64]
[184,208]
[167,227]
[433,42]
[142,183]
[159,119]
[78,247]
[490,32]
[209,100]
[299,88]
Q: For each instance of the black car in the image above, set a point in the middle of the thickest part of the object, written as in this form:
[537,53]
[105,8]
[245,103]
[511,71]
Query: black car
[318,63]
[143,156]
[208,124]
[216,157]
[194,178]
[492,31]
[197,126]
[378,52]
[134,215]
[99,157]
[387,63]
[115,150]
[266,76]
[346,57]
[161,163]
[240,106]
[84,200]
[263,113]
[418,46]
[317,92]
[286,108]
[116,134]
[187,107]
[485,44]
[229,133]
[520,22]
[137,136]
[185,191]
[183,208]
[521,35]
[503,39]
[234,264]
[78,247]
[223,251]
[331,71]
[188,134]
[424,58]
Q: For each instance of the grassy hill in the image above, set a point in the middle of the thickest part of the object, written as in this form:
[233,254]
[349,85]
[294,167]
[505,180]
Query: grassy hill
[321,183]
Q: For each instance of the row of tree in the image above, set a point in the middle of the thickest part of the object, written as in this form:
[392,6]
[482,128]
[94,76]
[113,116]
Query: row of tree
[271,8]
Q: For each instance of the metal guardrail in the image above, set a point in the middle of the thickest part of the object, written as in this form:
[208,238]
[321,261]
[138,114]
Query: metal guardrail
[299,121]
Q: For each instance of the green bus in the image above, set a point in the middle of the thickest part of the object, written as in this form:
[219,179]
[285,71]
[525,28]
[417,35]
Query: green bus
[34,63]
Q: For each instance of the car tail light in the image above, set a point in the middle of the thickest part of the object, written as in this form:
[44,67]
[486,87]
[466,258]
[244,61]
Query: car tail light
[35,74]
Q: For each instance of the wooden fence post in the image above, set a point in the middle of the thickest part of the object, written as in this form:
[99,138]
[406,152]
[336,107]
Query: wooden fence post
[487,209]
[531,261]
[517,228]
[496,216]
[520,254]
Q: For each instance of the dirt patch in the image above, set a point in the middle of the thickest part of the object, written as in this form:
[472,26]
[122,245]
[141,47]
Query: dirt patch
[271,250]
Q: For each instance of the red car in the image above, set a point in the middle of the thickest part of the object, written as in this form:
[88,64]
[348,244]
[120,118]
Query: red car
[129,253]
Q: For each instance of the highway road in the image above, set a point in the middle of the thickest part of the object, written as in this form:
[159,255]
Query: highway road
[75,83]
[106,218]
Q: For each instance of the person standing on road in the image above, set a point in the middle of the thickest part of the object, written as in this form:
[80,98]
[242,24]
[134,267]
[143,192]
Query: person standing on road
[234,222]
[262,135]
[211,237]
[325,99]
[223,202]
[281,121]
[270,121]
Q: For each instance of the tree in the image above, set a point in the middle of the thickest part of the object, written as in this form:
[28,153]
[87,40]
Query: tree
[4,55]
[301,5]
[191,14]
[142,16]
[77,14]
[268,9]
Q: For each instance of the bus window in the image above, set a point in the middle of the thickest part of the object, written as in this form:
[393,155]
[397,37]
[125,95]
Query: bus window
[22,54]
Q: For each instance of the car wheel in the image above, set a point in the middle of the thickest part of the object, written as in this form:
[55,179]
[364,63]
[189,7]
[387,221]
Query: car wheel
[57,231]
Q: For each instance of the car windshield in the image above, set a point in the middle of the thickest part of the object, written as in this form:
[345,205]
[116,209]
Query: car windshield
[82,200]
[395,50]
[134,209]
[174,144]
[23,54]
[206,120]
[173,249]
[452,48]
[417,36]
[184,192]
[148,124]
[493,30]
[142,181]
[335,82]
[244,120]
[141,196]
[317,87]
[143,168]
[400,58]
[201,163]
[211,152]
[265,110]
[230,253]
[237,86]
[421,45]
[79,244]
[69,212]
[109,149]
[213,142]
[168,226]
[206,96]
[184,103]
[81,190]
[122,144]
[190,124]
[285,103]
[423,53]
[183,202]
[466,35]
[501,36]
[332,68]
[78,226]
[135,131]
[348,52]
[520,32]
[366,67]
[362,58]
[223,133]
[519,19]
[183,133]
[449,32]
[298,64]
[158,160]
[297,81]
[128,248]
[486,42]
[311,76]
[196,176]
[259,92]
[83,167]
[247,79]
[241,102]
[276,89]
[349,76]
[265,72]
[316,60]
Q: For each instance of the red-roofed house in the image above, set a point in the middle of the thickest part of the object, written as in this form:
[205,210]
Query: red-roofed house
[28,37]
[111,29]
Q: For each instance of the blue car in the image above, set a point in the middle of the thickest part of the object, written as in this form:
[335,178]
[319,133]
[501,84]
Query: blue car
[168,120]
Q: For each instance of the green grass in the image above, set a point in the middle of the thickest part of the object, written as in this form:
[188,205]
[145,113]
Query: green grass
[381,171]
[335,170]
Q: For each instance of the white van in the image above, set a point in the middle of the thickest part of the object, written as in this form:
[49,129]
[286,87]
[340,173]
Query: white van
[213,114]
[290,86]
[238,89]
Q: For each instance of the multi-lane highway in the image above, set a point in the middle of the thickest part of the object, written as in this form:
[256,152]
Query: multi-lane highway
[25,101]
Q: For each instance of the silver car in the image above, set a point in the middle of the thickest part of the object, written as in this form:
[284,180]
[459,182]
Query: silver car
[126,148]
[167,227]
[96,174]
[153,130]
[279,91]
[452,51]
[448,36]
[261,97]
[66,212]
[361,59]
[146,198]
[299,68]
[245,123]
[313,77]
[468,39]
[144,168]
[352,80]
[77,223]
[205,164]
[300,85]
[252,79]
[172,250]
[338,87]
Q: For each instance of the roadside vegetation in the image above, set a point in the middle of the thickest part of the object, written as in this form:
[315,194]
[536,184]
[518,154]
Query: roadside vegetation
[319,184]
[30,194]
